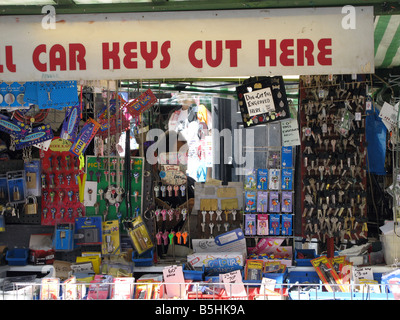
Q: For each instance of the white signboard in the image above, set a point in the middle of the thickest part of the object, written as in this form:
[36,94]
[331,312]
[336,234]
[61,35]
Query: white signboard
[290,133]
[239,43]
[174,281]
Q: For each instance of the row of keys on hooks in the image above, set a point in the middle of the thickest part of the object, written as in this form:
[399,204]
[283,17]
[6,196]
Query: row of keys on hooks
[104,165]
[61,195]
[111,175]
[211,226]
[172,190]
[59,164]
[170,213]
[60,178]
[168,237]
[62,211]
[218,215]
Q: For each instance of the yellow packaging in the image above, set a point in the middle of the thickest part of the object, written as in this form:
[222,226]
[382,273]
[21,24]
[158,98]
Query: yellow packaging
[140,236]
[111,238]
[95,260]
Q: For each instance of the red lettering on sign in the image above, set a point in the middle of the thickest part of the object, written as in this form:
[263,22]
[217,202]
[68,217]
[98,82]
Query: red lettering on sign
[209,53]
[286,52]
[77,53]
[165,54]
[302,49]
[214,53]
[130,55]
[233,46]
[9,60]
[198,63]
[267,52]
[35,58]
[111,55]
[149,56]
[148,51]
[305,48]
[58,57]
[324,51]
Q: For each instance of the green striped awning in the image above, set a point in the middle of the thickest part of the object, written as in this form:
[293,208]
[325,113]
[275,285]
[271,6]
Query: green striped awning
[387,41]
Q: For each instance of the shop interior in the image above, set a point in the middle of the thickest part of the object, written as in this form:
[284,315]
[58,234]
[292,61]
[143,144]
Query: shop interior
[275,187]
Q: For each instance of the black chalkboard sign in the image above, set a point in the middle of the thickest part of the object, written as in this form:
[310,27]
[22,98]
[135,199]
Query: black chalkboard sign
[262,100]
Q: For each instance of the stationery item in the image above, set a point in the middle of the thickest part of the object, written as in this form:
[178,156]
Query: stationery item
[287,224]
[274,202]
[254,269]
[274,159]
[250,201]
[286,202]
[85,137]
[287,157]
[262,179]
[262,201]
[69,127]
[274,224]
[251,180]
[262,224]
[274,179]
[287,179]
[250,224]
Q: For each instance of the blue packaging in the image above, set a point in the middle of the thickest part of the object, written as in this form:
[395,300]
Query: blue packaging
[262,201]
[274,202]
[287,157]
[287,179]
[250,221]
[286,201]
[251,180]
[250,201]
[287,223]
[274,224]
[262,179]
[274,179]
[64,237]
[88,230]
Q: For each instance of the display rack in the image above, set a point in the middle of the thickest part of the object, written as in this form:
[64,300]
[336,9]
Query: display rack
[106,177]
[333,170]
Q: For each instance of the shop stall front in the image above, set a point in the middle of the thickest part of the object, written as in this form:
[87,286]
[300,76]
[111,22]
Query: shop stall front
[220,154]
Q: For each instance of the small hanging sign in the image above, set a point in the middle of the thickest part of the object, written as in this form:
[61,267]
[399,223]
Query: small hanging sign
[262,100]
[142,103]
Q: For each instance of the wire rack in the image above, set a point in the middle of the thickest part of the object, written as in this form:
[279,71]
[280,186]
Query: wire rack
[199,291]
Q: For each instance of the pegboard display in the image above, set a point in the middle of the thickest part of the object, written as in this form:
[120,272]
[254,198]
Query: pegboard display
[14,213]
[212,223]
[60,180]
[105,187]
[333,170]
[269,195]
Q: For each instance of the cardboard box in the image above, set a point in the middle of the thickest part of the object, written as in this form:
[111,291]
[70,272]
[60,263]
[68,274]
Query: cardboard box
[41,249]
